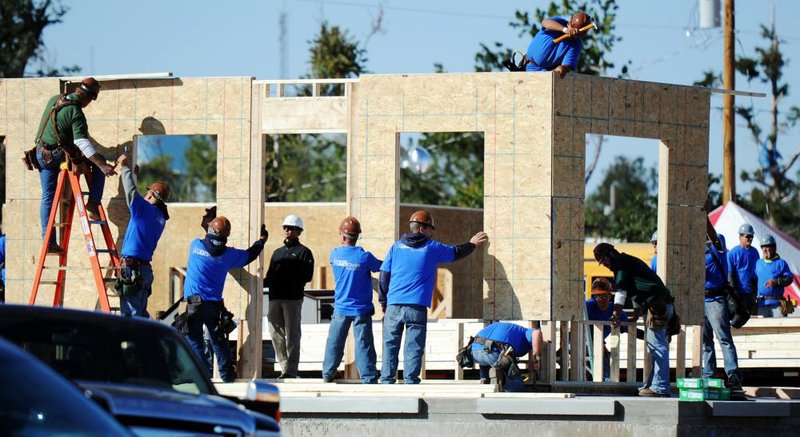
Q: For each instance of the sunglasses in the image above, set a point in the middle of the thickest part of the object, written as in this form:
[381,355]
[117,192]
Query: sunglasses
[601,296]
[291,228]
[746,236]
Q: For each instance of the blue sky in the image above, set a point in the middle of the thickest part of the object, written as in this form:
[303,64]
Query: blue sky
[212,38]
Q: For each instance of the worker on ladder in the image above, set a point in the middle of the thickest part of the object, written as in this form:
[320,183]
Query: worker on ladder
[149,215]
[63,132]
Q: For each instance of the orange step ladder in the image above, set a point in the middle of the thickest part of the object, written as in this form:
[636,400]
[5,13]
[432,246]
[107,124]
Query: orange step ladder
[67,196]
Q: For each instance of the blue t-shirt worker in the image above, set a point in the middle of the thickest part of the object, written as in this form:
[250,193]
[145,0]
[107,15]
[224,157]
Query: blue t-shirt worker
[773,276]
[599,308]
[562,57]
[742,261]
[496,349]
[352,267]
[407,278]
[209,262]
[149,216]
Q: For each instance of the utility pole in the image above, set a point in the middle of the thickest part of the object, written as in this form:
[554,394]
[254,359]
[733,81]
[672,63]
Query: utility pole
[728,115]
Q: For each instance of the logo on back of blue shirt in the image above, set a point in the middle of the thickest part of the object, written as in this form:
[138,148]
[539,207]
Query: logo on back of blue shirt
[200,252]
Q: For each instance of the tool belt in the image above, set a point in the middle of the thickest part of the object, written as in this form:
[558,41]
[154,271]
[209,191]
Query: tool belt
[716,292]
[489,344]
[765,298]
[134,262]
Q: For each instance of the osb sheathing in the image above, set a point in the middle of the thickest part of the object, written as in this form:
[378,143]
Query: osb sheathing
[534,127]
[186,106]
[675,115]
[513,112]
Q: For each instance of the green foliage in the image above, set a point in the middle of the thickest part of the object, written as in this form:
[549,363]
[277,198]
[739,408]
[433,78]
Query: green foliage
[335,55]
[306,168]
[198,183]
[313,167]
[456,176]
[634,214]
[22,23]
[775,195]
[598,43]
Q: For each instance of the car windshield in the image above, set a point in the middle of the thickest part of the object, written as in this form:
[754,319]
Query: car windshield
[112,353]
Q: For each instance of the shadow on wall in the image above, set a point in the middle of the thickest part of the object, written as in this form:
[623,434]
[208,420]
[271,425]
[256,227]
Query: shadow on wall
[500,294]
[119,214]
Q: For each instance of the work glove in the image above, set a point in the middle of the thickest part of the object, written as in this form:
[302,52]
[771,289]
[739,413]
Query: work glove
[264,233]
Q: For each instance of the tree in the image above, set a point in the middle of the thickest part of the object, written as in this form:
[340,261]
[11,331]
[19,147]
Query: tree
[632,214]
[775,195]
[200,181]
[596,45]
[313,167]
[456,175]
[160,169]
[21,25]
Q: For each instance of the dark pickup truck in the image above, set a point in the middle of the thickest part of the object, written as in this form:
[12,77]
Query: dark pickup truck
[142,372]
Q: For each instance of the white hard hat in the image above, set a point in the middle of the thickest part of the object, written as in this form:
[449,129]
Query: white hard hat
[293,220]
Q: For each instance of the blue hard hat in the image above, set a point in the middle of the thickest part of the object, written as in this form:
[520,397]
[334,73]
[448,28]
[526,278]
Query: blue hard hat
[768,240]
[746,229]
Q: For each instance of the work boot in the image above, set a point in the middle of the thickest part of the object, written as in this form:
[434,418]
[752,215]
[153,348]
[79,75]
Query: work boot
[93,211]
[55,248]
[735,385]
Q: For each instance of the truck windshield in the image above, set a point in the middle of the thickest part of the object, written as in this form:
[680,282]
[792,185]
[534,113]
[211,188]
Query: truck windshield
[122,354]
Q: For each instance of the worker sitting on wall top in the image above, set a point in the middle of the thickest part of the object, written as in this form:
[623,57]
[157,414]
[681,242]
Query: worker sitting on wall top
[545,55]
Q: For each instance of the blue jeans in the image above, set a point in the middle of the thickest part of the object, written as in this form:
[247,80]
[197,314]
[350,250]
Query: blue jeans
[365,346]
[135,304]
[658,347]
[770,311]
[717,322]
[488,359]
[414,318]
[208,314]
[48,176]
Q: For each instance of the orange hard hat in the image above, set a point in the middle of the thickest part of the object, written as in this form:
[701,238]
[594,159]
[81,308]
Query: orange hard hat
[422,217]
[160,190]
[350,225]
[220,226]
[91,86]
[602,286]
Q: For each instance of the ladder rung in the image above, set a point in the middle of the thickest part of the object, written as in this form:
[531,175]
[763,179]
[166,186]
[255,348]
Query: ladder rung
[105,250]
[66,268]
[97,222]
[49,282]
[109,280]
[59,225]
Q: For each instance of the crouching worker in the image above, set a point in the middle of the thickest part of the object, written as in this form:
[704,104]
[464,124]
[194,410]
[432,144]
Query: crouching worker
[496,348]
[209,262]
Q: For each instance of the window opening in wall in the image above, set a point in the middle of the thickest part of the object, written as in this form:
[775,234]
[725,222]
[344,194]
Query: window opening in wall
[443,168]
[306,167]
[621,197]
[187,163]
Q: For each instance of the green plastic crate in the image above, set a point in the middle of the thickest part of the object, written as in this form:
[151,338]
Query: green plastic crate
[704,394]
[720,394]
[690,383]
[692,394]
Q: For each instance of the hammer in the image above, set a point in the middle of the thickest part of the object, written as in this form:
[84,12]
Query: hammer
[583,29]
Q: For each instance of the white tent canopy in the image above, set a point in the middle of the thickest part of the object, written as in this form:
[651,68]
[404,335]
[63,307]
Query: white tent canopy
[727,219]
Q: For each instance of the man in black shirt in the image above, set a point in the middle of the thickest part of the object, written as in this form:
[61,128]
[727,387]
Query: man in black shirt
[635,280]
[290,268]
